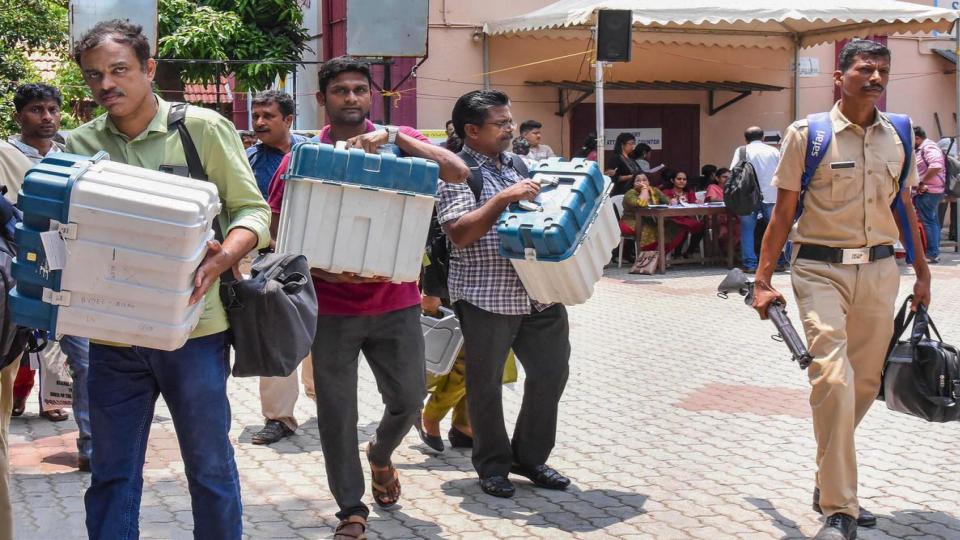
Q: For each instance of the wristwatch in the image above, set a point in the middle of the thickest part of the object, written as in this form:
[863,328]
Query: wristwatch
[391,134]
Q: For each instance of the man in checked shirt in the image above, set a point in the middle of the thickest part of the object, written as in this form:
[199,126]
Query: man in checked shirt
[495,312]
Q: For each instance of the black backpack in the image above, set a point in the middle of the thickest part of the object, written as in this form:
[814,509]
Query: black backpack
[14,340]
[742,194]
[433,279]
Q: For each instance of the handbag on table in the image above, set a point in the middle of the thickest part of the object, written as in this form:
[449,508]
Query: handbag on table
[921,376]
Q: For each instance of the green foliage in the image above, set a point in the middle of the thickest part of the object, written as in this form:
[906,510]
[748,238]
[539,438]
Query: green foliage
[26,26]
[261,30]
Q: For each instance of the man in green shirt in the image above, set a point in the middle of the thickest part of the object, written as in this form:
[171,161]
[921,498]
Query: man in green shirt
[114,57]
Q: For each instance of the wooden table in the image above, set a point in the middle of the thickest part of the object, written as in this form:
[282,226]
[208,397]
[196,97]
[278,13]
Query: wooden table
[711,213]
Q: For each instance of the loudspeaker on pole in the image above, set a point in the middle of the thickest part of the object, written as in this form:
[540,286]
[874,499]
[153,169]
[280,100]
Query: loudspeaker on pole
[614,35]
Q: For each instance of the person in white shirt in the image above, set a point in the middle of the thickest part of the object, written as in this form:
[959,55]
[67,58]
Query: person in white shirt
[530,130]
[764,159]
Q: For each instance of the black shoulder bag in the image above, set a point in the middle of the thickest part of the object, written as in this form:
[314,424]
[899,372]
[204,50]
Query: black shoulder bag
[273,314]
[921,376]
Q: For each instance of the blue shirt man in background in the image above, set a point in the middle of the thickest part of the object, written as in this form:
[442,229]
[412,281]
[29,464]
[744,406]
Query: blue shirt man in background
[273,113]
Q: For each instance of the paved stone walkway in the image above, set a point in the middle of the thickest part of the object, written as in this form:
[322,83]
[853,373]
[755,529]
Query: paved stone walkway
[681,419]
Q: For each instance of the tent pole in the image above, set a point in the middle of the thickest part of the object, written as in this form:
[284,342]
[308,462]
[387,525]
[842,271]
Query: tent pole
[796,77]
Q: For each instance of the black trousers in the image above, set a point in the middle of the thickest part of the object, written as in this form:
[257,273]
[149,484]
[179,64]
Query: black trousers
[542,346]
[393,346]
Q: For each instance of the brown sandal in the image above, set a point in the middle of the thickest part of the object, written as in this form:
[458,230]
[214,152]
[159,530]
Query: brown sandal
[55,415]
[385,493]
[341,534]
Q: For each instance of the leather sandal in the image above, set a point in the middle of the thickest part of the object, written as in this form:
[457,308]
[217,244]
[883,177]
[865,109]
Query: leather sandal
[55,415]
[341,532]
[385,493]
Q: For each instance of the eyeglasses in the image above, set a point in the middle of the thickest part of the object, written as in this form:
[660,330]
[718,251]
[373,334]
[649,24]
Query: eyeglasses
[503,125]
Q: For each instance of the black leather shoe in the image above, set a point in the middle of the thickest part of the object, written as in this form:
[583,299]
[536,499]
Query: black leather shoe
[272,432]
[542,476]
[866,519]
[433,442]
[459,439]
[838,527]
[498,486]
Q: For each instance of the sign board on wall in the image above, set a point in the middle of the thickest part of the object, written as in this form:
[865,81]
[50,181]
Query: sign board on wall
[85,14]
[651,136]
[378,28]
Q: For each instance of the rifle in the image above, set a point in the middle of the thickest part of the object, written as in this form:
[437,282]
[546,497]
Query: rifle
[736,281]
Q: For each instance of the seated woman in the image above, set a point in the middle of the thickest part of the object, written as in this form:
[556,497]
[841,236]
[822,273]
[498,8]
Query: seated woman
[621,168]
[715,187]
[715,194]
[678,193]
[643,195]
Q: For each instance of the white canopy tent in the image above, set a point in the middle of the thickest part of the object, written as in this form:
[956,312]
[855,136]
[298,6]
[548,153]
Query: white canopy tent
[779,24]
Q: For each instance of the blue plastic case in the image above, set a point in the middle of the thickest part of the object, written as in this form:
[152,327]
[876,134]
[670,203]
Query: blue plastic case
[569,199]
[326,163]
[44,195]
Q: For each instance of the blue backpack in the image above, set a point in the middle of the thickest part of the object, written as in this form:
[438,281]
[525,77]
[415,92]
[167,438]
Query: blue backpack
[819,135]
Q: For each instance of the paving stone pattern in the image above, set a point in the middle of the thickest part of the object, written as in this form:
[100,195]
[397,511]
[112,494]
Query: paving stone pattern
[681,419]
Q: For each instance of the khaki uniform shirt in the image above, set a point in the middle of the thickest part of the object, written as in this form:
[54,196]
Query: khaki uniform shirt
[224,161]
[847,207]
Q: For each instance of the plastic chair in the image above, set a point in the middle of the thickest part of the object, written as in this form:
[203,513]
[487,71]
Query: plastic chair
[617,201]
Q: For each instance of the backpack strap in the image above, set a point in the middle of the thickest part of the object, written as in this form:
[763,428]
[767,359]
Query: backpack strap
[902,125]
[819,136]
[475,182]
[520,166]
[176,121]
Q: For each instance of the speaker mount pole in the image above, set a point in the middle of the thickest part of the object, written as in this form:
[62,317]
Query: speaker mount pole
[598,98]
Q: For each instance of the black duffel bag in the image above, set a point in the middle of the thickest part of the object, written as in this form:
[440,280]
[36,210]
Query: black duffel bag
[273,315]
[921,376]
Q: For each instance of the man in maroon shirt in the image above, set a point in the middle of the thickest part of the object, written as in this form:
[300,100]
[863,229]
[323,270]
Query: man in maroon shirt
[369,315]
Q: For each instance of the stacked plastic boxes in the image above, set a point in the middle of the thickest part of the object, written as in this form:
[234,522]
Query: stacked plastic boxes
[349,211]
[560,243]
[108,251]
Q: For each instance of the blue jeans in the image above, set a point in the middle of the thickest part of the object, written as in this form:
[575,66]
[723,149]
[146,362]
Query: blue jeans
[748,227]
[78,358]
[193,383]
[928,205]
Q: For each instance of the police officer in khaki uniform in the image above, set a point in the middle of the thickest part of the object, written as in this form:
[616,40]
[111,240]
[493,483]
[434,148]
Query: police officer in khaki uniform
[846,307]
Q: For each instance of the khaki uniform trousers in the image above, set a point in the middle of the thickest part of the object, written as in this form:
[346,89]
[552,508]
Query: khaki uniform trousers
[847,314]
[278,395]
[7,376]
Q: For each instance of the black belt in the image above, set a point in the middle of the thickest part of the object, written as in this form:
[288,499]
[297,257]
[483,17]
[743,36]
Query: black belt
[836,255]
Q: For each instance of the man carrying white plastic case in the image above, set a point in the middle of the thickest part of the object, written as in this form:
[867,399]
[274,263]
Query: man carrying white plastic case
[369,315]
[114,57]
[495,311]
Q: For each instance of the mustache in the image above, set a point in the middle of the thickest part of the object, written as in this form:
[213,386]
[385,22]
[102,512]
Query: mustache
[112,93]
[878,87]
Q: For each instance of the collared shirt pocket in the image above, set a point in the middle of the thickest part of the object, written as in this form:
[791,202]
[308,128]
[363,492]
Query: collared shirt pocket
[845,183]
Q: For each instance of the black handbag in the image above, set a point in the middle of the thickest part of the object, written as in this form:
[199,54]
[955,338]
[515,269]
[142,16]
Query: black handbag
[273,314]
[921,376]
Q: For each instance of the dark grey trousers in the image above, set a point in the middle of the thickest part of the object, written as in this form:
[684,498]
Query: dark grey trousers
[542,346]
[393,346]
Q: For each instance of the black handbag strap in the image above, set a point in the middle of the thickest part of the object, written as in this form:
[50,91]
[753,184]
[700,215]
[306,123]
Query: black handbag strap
[176,120]
[900,324]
